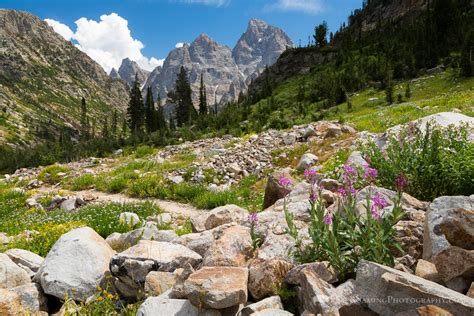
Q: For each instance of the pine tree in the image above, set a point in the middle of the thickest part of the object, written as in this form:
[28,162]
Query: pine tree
[320,34]
[399,98]
[84,120]
[467,55]
[113,126]
[136,109]
[408,92]
[124,128]
[160,121]
[389,93]
[105,129]
[202,98]
[181,97]
[150,114]
[171,123]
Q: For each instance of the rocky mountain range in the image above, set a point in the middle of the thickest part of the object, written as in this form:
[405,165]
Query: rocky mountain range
[42,80]
[127,72]
[226,72]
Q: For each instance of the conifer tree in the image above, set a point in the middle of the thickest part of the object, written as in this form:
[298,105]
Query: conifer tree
[136,109]
[320,34]
[84,120]
[202,98]
[181,97]
[467,55]
[105,129]
[171,123]
[150,112]
[113,125]
[408,92]
[160,121]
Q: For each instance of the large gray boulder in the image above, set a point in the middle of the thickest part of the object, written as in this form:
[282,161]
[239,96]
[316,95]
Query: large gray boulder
[438,211]
[388,291]
[77,263]
[157,306]
[219,216]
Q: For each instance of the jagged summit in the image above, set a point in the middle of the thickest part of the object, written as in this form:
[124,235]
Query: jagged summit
[259,46]
[129,69]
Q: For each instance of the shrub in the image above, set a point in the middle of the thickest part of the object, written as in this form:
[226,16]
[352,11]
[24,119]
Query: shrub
[143,151]
[117,184]
[50,173]
[342,236]
[435,161]
[83,182]
[149,186]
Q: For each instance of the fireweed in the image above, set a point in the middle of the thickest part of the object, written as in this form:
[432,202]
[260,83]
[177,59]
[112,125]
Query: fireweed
[340,234]
[257,239]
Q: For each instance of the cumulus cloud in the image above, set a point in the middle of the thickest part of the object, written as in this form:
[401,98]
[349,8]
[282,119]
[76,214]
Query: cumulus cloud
[61,29]
[214,3]
[306,6]
[179,45]
[107,41]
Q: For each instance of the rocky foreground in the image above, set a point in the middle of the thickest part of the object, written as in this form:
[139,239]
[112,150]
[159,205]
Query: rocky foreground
[218,270]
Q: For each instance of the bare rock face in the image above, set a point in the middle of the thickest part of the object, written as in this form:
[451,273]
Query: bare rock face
[217,287]
[129,69]
[77,263]
[258,47]
[33,51]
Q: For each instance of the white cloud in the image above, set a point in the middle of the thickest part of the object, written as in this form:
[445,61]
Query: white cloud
[214,3]
[61,29]
[107,41]
[179,45]
[306,6]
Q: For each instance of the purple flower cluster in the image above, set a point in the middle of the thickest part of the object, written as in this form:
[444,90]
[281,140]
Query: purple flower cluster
[370,174]
[378,203]
[327,219]
[253,218]
[310,174]
[284,182]
[401,182]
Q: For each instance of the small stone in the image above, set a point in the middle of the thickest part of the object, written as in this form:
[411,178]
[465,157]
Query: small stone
[308,160]
[69,205]
[427,270]
[129,218]
[273,302]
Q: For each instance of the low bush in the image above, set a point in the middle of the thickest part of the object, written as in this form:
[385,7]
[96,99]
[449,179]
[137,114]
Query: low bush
[50,173]
[436,161]
[83,182]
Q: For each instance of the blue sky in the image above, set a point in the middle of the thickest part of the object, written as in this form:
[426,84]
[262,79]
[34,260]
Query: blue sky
[160,24]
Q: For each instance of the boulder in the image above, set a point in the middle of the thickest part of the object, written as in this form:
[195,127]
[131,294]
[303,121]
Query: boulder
[129,218]
[470,292]
[11,275]
[458,228]
[132,266]
[272,312]
[408,202]
[155,306]
[277,247]
[219,216]
[322,269]
[217,287]
[438,211]
[427,310]
[27,260]
[410,235]
[320,297]
[4,239]
[266,277]
[69,205]
[32,297]
[455,262]
[289,139]
[308,160]
[356,160]
[274,191]
[198,242]
[273,302]
[297,202]
[427,271]
[157,282]
[233,248]
[378,285]
[10,303]
[333,130]
[330,184]
[151,232]
[309,131]
[75,265]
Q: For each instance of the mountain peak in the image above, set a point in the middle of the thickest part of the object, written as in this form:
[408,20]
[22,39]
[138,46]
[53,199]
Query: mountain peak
[128,69]
[256,23]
